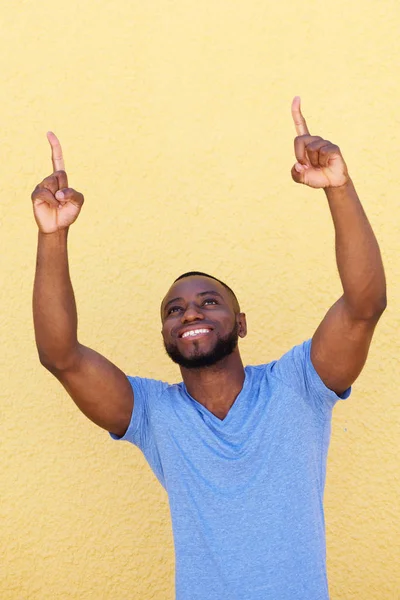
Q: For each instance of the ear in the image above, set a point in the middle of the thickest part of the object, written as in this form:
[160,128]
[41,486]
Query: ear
[242,325]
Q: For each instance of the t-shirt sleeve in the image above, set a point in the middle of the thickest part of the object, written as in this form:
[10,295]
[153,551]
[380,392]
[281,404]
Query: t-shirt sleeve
[296,370]
[147,393]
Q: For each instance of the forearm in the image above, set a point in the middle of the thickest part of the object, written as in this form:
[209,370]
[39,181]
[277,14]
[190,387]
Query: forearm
[54,309]
[357,254]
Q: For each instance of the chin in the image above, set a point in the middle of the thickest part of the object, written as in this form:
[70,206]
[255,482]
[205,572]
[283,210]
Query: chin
[197,360]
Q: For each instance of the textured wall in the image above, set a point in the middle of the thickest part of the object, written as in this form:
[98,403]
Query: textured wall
[175,121]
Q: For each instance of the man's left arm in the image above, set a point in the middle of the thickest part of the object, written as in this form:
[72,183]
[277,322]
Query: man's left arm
[340,344]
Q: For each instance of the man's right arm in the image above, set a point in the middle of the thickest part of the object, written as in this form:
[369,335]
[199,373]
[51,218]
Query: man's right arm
[101,390]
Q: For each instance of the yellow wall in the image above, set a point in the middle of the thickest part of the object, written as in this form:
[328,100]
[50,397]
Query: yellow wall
[175,121]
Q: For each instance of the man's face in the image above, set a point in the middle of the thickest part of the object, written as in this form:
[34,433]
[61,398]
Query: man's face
[200,322]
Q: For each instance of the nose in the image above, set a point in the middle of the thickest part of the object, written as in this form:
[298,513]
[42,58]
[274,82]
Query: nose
[192,313]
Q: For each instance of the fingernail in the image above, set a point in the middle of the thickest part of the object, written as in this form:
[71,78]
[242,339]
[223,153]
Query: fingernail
[298,167]
[60,195]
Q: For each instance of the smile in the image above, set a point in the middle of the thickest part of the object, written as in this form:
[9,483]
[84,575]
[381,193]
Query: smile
[195,332]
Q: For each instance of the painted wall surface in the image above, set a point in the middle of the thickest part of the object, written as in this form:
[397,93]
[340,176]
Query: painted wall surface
[175,120]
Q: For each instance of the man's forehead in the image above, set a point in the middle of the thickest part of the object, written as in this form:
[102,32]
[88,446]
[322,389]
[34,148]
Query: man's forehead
[193,285]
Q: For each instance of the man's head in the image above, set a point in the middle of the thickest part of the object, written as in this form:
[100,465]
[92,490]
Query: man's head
[201,320]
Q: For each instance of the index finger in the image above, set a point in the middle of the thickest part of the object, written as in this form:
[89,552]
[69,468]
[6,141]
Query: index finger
[299,120]
[56,152]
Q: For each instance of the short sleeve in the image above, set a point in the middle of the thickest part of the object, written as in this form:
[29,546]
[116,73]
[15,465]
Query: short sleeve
[141,429]
[296,370]
[146,392]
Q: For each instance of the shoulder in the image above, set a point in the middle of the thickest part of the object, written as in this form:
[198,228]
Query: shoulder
[292,360]
[151,398]
[148,387]
[295,370]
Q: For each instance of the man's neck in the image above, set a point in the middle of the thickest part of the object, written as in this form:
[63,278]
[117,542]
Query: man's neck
[218,386]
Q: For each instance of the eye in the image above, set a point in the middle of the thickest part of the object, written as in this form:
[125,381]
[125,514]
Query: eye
[209,301]
[173,309]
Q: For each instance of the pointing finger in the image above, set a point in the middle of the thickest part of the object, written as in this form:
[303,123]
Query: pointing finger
[61,178]
[299,120]
[56,152]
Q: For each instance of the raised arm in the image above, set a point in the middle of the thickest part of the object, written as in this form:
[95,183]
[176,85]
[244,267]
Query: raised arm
[341,342]
[99,388]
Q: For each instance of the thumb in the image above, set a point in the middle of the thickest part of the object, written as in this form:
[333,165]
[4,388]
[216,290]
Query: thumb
[298,172]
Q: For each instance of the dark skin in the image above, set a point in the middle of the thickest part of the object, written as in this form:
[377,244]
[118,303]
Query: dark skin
[101,390]
[341,342]
[196,303]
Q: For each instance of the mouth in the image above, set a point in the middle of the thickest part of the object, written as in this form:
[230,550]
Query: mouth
[195,333]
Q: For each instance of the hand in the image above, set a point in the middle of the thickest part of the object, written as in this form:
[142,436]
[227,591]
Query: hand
[55,205]
[319,162]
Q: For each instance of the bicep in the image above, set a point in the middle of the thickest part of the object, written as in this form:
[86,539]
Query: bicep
[340,347]
[99,389]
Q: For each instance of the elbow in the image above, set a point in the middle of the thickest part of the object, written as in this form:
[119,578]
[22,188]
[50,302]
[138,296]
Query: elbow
[369,310]
[49,365]
[44,359]
[380,306]
[56,365]
[374,310]
[383,304]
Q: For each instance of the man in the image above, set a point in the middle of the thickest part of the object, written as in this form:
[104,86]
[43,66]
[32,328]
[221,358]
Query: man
[240,451]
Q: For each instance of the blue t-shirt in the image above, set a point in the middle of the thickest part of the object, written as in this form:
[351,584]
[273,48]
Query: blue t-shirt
[246,492]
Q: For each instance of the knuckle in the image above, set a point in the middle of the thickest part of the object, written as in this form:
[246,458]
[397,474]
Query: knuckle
[331,149]
[51,180]
[74,195]
[35,191]
[43,182]
[314,142]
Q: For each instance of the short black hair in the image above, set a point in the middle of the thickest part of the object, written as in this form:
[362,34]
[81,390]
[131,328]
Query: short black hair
[201,274]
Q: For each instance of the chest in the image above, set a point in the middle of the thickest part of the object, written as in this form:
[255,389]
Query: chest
[267,432]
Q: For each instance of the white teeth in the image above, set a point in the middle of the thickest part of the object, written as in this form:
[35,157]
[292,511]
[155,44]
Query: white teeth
[194,332]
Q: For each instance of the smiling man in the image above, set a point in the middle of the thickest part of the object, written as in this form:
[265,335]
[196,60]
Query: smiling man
[240,450]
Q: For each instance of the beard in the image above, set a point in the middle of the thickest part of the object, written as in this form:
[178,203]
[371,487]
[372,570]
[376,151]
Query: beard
[198,360]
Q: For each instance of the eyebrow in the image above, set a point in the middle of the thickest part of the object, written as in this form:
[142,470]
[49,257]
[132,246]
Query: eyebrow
[201,294]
